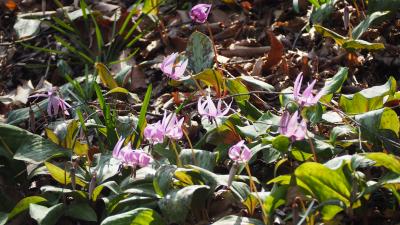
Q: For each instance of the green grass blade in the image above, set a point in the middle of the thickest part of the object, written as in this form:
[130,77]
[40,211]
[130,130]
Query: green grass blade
[142,118]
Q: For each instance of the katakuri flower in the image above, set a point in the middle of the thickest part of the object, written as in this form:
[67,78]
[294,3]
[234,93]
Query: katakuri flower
[290,127]
[55,103]
[240,153]
[154,133]
[306,98]
[129,157]
[169,127]
[209,110]
[199,13]
[173,66]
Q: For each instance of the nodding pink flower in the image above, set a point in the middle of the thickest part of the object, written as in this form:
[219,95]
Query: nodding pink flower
[169,127]
[173,67]
[154,133]
[209,110]
[306,98]
[172,126]
[290,127]
[199,13]
[129,157]
[240,152]
[136,158]
[55,103]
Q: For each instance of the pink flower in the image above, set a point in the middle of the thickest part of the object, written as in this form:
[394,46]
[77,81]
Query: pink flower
[154,133]
[208,108]
[307,98]
[129,157]
[55,103]
[199,12]
[169,127]
[137,158]
[291,128]
[172,68]
[240,152]
[172,126]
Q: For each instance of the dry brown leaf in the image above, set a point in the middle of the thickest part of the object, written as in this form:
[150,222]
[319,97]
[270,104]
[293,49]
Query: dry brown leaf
[274,56]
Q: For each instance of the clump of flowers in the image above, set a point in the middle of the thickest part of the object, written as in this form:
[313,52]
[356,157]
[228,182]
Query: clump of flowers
[208,109]
[169,127]
[130,157]
[174,66]
[199,13]
[55,103]
[306,98]
[290,127]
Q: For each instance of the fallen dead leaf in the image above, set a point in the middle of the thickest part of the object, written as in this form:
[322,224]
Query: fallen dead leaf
[274,56]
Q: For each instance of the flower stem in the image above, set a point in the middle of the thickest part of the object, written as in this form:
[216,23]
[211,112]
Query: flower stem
[254,189]
[178,160]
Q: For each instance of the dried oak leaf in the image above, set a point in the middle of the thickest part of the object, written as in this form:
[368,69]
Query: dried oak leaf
[274,56]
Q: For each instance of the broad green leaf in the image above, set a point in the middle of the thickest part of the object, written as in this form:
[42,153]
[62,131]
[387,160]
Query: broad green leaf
[22,145]
[105,76]
[334,84]
[163,179]
[187,177]
[374,122]
[339,39]
[325,184]
[201,158]
[321,14]
[106,166]
[81,211]
[44,215]
[367,22]
[61,176]
[341,131]
[176,204]
[137,216]
[261,126]
[258,84]
[235,87]
[276,198]
[23,205]
[111,185]
[281,143]
[200,52]
[213,78]
[237,220]
[353,45]
[391,162]
[368,99]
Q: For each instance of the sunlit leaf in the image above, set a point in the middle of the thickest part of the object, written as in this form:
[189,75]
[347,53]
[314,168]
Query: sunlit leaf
[105,76]
[368,99]
[61,176]
[238,220]
[135,217]
[367,22]
[388,161]
[23,205]
[44,215]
